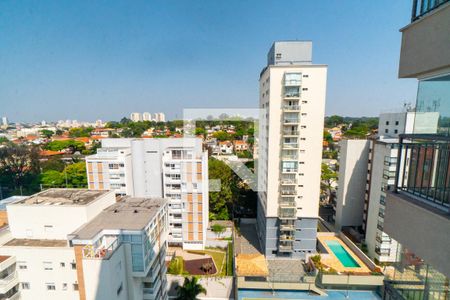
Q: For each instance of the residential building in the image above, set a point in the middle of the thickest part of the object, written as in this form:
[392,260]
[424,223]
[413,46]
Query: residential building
[292,103]
[5,121]
[176,169]
[160,117]
[136,117]
[418,204]
[146,116]
[240,145]
[81,244]
[226,147]
[353,166]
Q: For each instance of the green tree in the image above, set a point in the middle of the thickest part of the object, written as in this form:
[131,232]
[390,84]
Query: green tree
[68,144]
[54,164]
[47,133]
[190,289]
[76,175]
[19,168]
[218,229]
[328,176]
[220,202]
[222,135]
[81,132]
[52,178]
[3,140]
[200,131]
[333,121]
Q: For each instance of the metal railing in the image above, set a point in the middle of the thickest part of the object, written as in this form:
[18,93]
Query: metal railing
[423,168]
[422,7]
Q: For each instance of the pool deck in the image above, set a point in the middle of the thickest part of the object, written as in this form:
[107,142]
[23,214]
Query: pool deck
[330,260]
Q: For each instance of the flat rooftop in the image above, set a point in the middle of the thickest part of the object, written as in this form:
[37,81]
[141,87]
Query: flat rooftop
[128,214]
[36,243]
[62,197]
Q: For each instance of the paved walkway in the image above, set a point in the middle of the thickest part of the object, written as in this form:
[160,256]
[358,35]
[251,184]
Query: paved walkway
[247,242]
[285,270]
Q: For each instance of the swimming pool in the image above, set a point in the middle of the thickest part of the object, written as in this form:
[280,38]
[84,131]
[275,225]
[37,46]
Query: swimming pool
[246,294]
[344,257]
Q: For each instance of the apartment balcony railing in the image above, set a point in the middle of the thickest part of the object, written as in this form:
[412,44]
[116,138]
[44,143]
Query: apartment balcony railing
[289,170]
[291,121]
[288,192]
[422,7]
[423,170]
[101,251]
[291,132]
[292,95]
[290,145]
[289,181]
[289,157]
[291,107]
[292,82]
[287,247]
[8,282]
[287,227]
[287,213]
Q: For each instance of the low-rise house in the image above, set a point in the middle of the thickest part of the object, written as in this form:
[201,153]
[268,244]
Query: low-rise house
[240,145]
[226,147]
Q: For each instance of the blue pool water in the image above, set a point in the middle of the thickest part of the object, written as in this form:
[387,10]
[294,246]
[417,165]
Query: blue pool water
[245,294]
[344,257]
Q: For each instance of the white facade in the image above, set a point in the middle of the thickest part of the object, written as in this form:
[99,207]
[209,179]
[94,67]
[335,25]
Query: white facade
[146,116]
[136,117]
[176,169]
[392,124]
[5,121]
[353,166]
[292,99]
[382,174]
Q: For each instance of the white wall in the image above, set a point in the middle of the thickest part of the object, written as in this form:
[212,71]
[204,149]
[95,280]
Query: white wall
[29,221]
[353,165]
[38,277]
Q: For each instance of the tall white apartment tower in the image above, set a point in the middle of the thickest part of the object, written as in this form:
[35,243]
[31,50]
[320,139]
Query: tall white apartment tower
[136,117]
[292,103]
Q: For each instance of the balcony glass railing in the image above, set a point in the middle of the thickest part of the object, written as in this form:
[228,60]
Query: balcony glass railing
[291,107]
[292,121]
[424,167]
[290,145]
[291,132]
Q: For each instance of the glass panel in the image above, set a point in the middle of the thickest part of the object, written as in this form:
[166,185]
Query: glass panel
[433,106]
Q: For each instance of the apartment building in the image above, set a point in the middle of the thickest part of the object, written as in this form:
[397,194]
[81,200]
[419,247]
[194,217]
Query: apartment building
[135,117]
[418,205]
[176,169]
[146,116]
[292,103]
[81,244]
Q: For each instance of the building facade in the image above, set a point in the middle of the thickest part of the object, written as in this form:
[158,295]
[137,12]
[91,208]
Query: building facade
[136,117]
[292,103]
[45,252]
[176,169]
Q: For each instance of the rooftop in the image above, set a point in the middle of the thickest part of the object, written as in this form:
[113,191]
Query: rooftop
[36,243]
[128,214]
[62,197]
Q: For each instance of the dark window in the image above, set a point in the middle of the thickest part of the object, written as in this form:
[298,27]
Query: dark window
[387,122]
[396,122]
[386,130]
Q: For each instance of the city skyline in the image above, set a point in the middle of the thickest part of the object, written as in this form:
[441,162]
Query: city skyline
[153,57]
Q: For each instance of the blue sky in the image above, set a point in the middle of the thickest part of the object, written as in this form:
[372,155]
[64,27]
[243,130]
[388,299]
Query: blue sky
[90,60]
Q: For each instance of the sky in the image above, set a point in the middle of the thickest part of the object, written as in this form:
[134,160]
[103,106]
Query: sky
[90,60]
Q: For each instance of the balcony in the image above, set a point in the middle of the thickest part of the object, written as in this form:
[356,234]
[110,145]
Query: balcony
[104,250]
[291,107]
[292,79]
[8,282]
[290,145]
[287,213]
[287,227]
[430,26]
[417,213]
[288,192]
[425,161]
[287,247]
[287,238]
[291,121]
[289,170]
[291,132]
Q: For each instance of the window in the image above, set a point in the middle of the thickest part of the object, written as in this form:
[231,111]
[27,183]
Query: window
[48,265]
[305,76]
[278,56]
[386,130]
[395,131]
[22,265]
[25,285]
[50,286]
[75,286]
[62,265]
[387,122]
[73,265]
[396,122]
[64,286]
[304,89]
